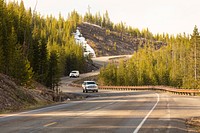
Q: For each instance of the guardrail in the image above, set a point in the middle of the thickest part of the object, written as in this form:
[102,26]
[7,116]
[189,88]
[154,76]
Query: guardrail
[159,88]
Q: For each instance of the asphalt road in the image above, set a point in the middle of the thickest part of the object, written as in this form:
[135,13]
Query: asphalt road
[108,112]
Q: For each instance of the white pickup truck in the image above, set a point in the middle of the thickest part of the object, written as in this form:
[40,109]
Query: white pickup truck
[89,86]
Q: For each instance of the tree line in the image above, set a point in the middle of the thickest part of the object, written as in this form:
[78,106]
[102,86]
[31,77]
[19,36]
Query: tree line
[176,64]
[33,47]
[105,22]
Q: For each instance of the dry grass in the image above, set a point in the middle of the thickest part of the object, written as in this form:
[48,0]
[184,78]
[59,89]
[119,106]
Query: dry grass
[194,124]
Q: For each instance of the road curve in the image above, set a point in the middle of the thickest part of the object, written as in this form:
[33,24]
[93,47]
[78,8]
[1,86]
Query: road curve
[108,111]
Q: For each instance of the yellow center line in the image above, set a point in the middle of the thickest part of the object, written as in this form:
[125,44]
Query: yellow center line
[50,124]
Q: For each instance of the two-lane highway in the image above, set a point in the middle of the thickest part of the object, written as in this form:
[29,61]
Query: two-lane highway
[120,113]
[107,112]
[117,112]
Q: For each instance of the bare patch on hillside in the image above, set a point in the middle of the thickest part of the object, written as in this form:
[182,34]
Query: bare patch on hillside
[108,43]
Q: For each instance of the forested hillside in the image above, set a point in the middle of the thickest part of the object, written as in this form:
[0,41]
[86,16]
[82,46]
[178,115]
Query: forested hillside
[177,64]
[107,38]
[33,47]
[108,43]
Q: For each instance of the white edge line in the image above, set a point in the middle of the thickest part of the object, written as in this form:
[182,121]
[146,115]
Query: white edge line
[42,109]
[142,122]
[37,110]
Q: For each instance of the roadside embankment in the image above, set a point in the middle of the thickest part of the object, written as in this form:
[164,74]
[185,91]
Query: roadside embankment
[14,97]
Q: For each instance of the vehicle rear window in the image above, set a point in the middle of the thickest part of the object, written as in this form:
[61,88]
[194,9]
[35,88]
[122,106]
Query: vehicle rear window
[74,72]
[89,83]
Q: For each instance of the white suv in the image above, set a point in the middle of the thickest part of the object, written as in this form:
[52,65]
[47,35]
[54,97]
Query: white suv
[89,86]
[74,74]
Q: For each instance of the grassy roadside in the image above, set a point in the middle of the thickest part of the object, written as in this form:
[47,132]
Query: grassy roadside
[65,97]
[193,124]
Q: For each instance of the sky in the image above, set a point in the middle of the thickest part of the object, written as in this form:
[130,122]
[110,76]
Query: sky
[159,16]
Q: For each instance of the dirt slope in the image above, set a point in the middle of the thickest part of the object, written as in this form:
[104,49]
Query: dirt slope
[17,98]
[14,97]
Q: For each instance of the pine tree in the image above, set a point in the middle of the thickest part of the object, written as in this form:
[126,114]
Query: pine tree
[1,35]
[43,62]
[132,74]
[121,73]
[22,71]
[195,49]
[34,55]
[11,46]
[4,35]
[108,74]
[53,71]
[21,24]
[1,59]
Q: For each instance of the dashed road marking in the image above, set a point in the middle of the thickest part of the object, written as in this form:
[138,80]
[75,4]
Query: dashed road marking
[50,124]
[97,108]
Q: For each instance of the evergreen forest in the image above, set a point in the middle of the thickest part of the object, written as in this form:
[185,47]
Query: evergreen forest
[177,64]
[34,47]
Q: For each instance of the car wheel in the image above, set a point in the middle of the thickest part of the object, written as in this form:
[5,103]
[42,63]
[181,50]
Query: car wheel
[97,91]
[86,91]
[83,91]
